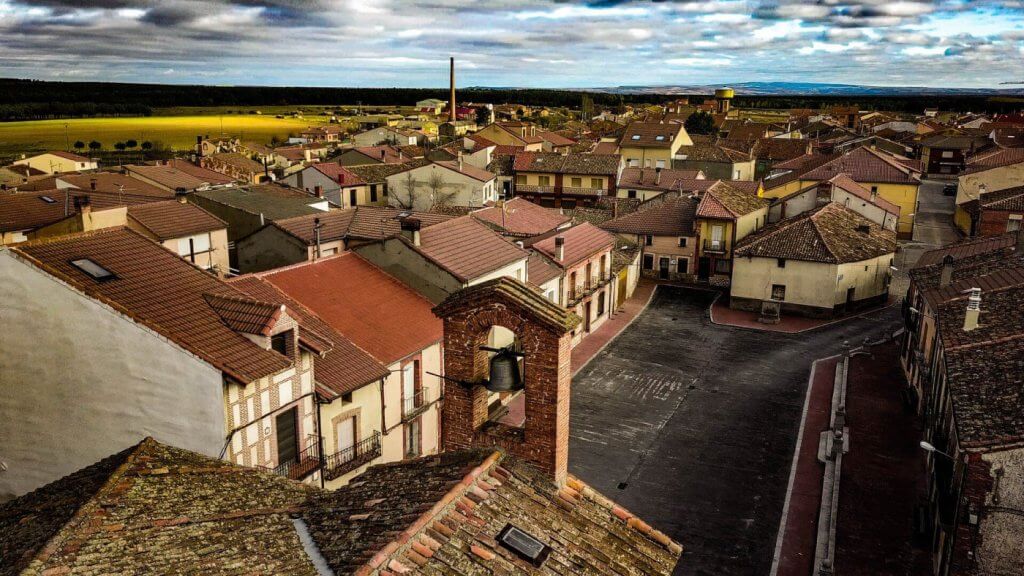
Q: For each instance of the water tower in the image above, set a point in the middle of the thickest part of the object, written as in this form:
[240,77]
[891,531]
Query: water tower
[723,96]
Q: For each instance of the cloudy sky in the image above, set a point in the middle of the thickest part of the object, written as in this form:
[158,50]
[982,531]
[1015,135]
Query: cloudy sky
[542,43]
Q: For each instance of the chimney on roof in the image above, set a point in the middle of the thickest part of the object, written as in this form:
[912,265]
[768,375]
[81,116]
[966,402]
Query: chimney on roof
[411,229]
[92,184]
[383,154]
[973,309]
[83,204]
[181,194]
[946,275]
[316,237]
[657,175]
[559,248]
[460,160]
[451,95]
[199,146]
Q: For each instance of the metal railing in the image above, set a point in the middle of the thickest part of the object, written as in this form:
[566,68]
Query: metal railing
[415,404]
[714,245]
[578,191]
[305,463]
[535,188]
[347,460]
[587,287]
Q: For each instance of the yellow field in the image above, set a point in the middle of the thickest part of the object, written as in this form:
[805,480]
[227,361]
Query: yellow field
[177,132]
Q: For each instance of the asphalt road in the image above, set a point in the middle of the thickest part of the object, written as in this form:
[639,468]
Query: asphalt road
[933,227]
[692,426]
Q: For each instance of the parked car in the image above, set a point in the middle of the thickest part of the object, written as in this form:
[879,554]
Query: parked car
[949,190]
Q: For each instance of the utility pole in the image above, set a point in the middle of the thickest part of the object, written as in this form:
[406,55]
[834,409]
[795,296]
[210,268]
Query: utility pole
[67,141]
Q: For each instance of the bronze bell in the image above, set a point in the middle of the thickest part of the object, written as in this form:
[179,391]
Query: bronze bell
[505,375]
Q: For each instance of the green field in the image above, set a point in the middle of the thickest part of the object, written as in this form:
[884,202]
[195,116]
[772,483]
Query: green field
[177,132]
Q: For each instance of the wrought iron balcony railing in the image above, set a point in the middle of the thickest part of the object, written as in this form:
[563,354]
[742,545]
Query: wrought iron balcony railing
[305,463]
[714,246]
[347,460]
[586,288]
[415,404]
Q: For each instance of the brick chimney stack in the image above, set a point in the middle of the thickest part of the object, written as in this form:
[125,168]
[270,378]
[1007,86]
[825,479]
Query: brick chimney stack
[559,248]
[946,275]
[973,310]
[451,95]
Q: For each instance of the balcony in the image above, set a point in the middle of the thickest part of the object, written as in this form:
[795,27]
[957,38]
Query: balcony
[580,291]
[351,458]
[715,246]
[415,405]
[534,189]
[305,463]
[584,191]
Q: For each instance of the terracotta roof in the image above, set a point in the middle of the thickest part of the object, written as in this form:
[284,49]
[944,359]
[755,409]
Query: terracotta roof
[515,293]
[725,201]
[539,269]
[31,210]
[362,222]
[967,248]
[864,165]
[581,242]
[994,159]
[204,174]
[519,217]
[346,367]
[654,179]
[572,163]
[172,219]
[378,173]
[443,515]
[400,324]
[391,154]
[115,183]
[846,183]
[156,288]
[467,248]
[662,217]
[789,170]
[189,514]
[172,178]
[467,169]
[555,139]
[831,234]
[650,135]
[1008,199]
[240,161]
[243,314]
[337,173]
[606,148]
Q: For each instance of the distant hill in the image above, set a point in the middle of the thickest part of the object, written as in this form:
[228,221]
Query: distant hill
[811,89]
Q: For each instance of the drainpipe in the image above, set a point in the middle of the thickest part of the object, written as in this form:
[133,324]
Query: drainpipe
[320,437]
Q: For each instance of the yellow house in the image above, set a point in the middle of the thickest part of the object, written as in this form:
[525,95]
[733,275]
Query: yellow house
[383,402]
[565,180]
[57,162]
[890,178]
[725,215]
[513,134]
[987,172]
[819,263]
[651,144]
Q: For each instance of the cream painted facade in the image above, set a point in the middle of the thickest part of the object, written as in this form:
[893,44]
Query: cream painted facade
[809,285]
[115,383]
[646,157]
[542,179]
[85,221]
[993,179]
[596,302]
[678,252]
[56,164]
[902,195]
[456,189]
[386,409]
[499,135]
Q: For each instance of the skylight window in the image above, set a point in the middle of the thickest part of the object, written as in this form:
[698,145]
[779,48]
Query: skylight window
[659,138]
[636,136]
[94,270]
[524,545]
[47,199]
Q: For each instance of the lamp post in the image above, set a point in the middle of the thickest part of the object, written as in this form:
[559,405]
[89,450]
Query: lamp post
[929,447]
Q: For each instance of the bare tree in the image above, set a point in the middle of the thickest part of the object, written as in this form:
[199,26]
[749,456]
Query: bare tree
[438,195]
[406,197]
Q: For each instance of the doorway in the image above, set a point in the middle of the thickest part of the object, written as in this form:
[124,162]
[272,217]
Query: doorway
[287,424]
[586,317]
[663,263]
[704,268]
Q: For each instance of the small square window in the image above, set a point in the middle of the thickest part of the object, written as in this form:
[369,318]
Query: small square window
[648,240]
[778,292]
[636,136]
[47,199]
[659,138]
[781,262]
[346,398]
[682,242]
[524,545]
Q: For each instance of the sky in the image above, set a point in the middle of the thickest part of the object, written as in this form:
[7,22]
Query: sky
[524,43]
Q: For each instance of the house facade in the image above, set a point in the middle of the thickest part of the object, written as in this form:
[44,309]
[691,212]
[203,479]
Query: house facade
[665,228]
[991,171]
[57,162]
[441,183]
[565,180]
[651,144]
[725,215]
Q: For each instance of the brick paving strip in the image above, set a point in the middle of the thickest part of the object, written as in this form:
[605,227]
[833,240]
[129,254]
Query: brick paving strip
[723,315]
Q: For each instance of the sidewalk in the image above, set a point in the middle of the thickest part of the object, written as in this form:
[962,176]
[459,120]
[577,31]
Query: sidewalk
[789,324]
[597,340]
[882,475]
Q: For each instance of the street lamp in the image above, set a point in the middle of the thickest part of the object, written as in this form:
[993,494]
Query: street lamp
[929,447]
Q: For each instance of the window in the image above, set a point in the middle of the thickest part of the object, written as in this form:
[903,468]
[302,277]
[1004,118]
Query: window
[636,136]
[631,194]
[279,343]
[193,245]
[346,398]
[778,292]
[600,304]
[524,545]
[47,199]
[345,434]
[648,261]
[352,197]
[413,438]
[633,162]
[736,175]
[373,192]
[94,270]
[596,183]
[682,242]
[544,180]
[577,182]
[947,153]
[287,424]
[1013,224]
[780,262]
[682,266]
[659,164]
[647,163]
[659,138]
[520,179]
[519,274]
[648,240]
[874,189]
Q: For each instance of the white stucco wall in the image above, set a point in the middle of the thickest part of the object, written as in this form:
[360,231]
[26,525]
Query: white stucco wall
[79,381]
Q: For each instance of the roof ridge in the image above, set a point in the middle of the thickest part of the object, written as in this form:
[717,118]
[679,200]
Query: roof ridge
[406,537]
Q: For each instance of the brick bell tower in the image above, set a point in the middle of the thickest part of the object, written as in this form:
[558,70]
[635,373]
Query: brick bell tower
[542,329]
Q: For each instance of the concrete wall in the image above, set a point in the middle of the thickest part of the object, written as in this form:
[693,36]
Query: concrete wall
[115,383]
[269,248]
[803,202]
[873,212]
[396,258]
